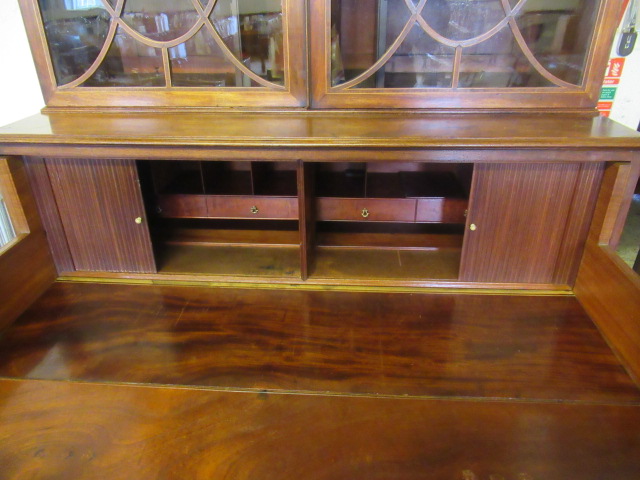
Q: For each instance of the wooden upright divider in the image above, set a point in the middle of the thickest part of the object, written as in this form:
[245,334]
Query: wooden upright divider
[307,214]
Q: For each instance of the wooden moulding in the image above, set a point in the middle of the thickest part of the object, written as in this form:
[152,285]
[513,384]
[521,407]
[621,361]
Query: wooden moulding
[26,266]
[320,136]
[607,288]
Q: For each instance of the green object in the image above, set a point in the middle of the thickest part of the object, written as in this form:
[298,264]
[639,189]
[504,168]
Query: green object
[608,93]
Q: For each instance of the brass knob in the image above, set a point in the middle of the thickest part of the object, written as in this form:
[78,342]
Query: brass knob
[254,210]
[365,213]
[473,227]
[138,220]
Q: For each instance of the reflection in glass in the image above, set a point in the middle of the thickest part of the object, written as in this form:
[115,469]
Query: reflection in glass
[560,37]
[129,63]
[498,63]
[420,62]
[362,31]
[463,19]
[252,30]
[557,32]
[629,246]
[159,21]
[199,62]
[76,31]
[7,232]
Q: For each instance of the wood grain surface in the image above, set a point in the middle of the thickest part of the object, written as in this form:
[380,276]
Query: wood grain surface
[84,431]
[606,286]
[322,129]
[367,343]
[46,202]
[526,216]
[26,265]
[99,219]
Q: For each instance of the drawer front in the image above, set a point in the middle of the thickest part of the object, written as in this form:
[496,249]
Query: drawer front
[182,206]
[441,210]
[367,209]
[272,208]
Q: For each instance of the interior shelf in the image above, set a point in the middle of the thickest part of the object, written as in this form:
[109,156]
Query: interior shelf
[240,190]
[390,193]
[401,221]
[232,260]
[385,263]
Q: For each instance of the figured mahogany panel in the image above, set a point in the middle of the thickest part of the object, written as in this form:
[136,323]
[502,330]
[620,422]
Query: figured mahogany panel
[518,220]
[41,185]
[504,346]
[88,431]
[99,202]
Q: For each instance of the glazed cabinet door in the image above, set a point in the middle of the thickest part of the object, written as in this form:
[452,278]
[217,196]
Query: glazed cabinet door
[102,213]
[527,223]
[180,53]
[459,54]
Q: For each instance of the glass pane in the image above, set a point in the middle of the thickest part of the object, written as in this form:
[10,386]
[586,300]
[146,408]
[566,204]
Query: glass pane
[129,63]
[76,31]
[362,31]
[161,21]
[252,29]
[498,63]
[463,19]
[629,245]
[199,62]
[7,233]
[559,34]
[420,62]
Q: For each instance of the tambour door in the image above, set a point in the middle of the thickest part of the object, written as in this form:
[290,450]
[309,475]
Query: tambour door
[527,223]
[102,213]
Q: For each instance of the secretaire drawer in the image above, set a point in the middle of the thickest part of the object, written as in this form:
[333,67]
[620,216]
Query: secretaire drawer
[441,210]
[182,206]
[367,209]
[274,208]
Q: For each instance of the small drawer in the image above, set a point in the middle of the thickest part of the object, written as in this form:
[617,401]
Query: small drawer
[367,209]
[251,206]
[182,206]
[441,210]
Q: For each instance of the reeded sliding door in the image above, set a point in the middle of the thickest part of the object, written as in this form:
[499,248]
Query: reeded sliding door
[528,222]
